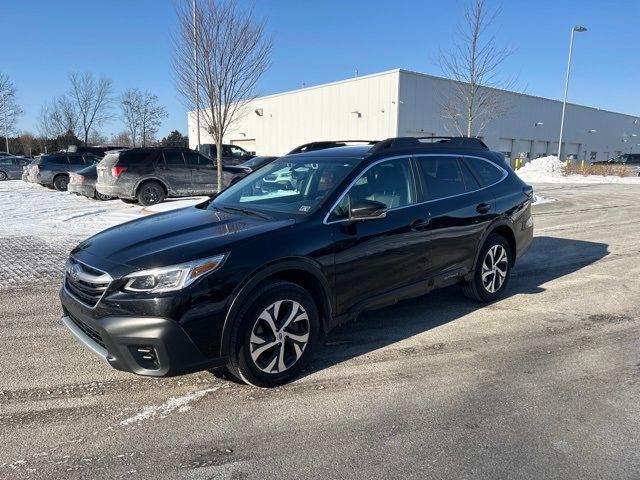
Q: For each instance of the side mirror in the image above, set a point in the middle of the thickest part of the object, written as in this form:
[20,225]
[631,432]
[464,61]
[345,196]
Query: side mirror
[367,210]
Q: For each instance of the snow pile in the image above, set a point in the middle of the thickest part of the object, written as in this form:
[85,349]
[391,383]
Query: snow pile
[29,209]
[539,200]
[550,170]
[543,168]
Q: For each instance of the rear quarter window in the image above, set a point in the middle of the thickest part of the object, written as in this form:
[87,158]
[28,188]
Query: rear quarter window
[484,170]
[57,160]
[137,157]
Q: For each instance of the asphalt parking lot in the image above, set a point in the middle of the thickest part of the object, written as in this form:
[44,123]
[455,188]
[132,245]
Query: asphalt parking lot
[542,384]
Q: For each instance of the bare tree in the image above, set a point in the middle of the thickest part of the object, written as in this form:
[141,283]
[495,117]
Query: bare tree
[97,138]
[129,102]
[45,127]
[151,116]
[142,115]
[9,108]
[474,64]
[63,116]
[27,141]
[92,99]
[122,139]
[233,52]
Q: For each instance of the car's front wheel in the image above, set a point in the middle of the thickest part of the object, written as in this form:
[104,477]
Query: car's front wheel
[3,176]
[273,338]
[492,273]
[61,182]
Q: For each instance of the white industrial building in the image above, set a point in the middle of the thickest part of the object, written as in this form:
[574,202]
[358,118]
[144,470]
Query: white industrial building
[403,103]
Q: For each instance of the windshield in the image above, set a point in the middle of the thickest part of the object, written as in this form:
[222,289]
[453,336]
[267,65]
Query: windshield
[295,188]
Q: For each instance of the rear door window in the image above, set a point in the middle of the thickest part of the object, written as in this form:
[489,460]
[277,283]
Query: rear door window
[173,158]
[484,170]
[76,160]
[442,176]
[198,161]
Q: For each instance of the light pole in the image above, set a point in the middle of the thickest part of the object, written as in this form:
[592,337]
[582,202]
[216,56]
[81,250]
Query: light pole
[195,67]
[575,29]
[4,109]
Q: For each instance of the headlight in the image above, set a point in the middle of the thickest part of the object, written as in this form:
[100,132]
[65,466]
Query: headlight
[175,277]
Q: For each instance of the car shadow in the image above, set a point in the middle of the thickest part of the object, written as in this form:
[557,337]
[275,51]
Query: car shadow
[549,258]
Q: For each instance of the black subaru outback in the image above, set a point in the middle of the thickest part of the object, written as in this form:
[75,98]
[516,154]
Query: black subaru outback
[250,278]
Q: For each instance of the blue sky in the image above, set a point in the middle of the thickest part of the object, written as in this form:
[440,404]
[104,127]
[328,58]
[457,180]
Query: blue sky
[321,41]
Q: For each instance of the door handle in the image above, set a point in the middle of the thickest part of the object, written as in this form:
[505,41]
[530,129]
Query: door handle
[421,224]
[483,208]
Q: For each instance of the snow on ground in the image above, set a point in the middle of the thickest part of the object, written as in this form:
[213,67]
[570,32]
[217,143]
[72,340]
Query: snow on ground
[539,200]
[29,209]
[549,170]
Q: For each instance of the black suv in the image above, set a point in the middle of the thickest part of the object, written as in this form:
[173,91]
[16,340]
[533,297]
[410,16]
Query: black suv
[250,278]
[149,175]
[231,154]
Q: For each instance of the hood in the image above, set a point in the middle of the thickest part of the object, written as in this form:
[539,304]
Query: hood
[170,238]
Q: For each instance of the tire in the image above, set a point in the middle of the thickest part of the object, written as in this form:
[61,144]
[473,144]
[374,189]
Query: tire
[61,182]
[102,196]
[150,193]
[495,282]
[3,176]
[296,316]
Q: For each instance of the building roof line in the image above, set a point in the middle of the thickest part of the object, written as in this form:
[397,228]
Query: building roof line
[411,72]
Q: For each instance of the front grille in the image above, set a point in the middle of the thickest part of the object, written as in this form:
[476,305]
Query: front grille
[88,331]
[86,283]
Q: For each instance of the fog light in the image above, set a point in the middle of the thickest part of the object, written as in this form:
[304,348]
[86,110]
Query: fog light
[146,356]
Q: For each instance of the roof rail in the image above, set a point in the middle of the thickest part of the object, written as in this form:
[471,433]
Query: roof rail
[321,145]
[407,143]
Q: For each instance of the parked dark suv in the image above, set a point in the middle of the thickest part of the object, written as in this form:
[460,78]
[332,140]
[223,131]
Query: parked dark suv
[231,154]
[250,278]
[149,175]
[53,170]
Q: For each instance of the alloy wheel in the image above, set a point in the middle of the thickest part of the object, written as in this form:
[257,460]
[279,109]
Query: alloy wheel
[494,268]
[3,176]
[279,336]
[151,194]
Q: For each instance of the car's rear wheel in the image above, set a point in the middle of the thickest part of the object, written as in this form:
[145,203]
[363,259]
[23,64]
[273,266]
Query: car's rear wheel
[61,182]
[3,176]
[492,273]
[150,193]
[273,338]
[102,196]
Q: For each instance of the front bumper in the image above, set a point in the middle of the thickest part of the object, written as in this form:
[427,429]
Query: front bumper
[150,346]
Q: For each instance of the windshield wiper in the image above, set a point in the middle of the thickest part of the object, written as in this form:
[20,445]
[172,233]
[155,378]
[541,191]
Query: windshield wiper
[244,210]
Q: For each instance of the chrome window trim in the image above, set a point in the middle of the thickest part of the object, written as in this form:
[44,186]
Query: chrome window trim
[504,175]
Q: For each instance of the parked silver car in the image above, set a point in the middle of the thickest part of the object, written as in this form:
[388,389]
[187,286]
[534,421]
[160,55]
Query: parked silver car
[53,170]
[11,167]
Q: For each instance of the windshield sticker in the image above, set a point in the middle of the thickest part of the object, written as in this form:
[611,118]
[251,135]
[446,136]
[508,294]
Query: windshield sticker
[305,208]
